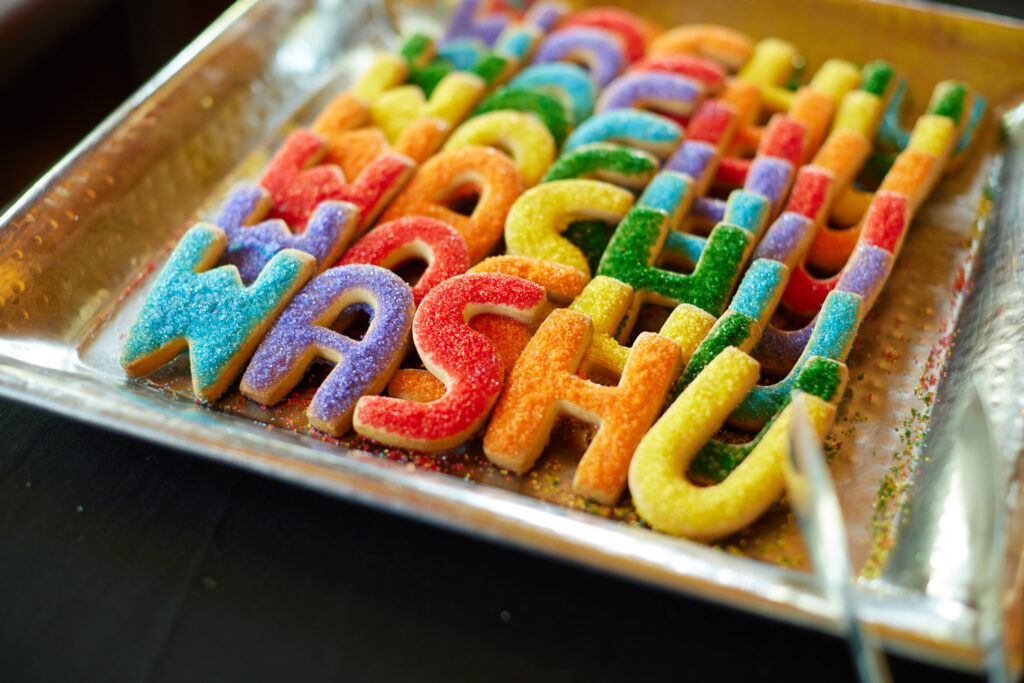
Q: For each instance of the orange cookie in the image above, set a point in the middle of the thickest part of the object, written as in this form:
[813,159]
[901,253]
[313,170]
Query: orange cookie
[489,174]
[544,384]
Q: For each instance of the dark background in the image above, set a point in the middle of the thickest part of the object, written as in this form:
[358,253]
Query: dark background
[121,560]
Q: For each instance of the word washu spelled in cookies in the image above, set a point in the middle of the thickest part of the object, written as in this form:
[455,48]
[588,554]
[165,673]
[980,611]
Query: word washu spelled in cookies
[663,233]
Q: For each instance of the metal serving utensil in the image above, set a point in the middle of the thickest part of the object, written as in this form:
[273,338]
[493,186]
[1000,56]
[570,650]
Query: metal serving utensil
[812,497]
[984,485]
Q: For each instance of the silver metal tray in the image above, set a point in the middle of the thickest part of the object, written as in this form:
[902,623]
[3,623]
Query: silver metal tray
[76,250]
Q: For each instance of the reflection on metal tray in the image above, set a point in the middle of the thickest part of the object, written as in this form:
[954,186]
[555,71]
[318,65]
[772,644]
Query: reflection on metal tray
[76,249]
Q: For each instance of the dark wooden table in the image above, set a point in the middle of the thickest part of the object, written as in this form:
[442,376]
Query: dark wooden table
[124,561]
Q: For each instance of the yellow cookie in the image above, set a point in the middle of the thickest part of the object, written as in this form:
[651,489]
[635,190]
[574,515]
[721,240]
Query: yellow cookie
[536,221]
[665,497]
[520,135]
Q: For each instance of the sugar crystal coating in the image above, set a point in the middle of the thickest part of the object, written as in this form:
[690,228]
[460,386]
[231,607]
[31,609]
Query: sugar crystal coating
[465,360]
[251,246]
[522,135]
[414,237]
[597,48]
[303,333]
[567,82]
[210,312]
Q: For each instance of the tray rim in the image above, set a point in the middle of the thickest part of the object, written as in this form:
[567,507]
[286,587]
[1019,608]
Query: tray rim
[60,388]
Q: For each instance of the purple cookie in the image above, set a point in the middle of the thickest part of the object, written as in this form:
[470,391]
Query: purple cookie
[787,239]
[544,15]
[303,333]
[693,158]
[250,247]
[769,177]
[598,49]
[864,275]
[465,24]
[711,209]
[638,89]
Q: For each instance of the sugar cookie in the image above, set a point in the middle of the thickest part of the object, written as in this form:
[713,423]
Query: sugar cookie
[610,306]
[820,377]
[729,48]
[632,31]
[353,144]
[664,496]
[770,67]
[451,101]
[475,19]
[636,245]
[655,90]
[297,186]
[633,128]
[539,217]
[561,283]
[489,173]
[545,15]
[616,164]
[463,359]
[547,108]
[387,71]
[523,136]
[566,82]
[831,337]
[599,50]
[704,71]
[209,311]
[543,383]
[251,243]
[303,334]
[413,238]
[912,176]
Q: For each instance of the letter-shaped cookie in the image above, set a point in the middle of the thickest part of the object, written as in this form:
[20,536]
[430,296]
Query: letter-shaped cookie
[544,384]
[616,164]
[654,90]
[610,306]
[598,49]
[251,244]
[474,19]
[353,144]
[832,337]
[209,311]
[566,82]
[704,71]
[303,334]
[545,107]
[539,217]
[632,31]
[663,494]
[631,127]
[636,245]
[725,46]
[523,136]
[392,244]
[451,101]
[445,177]
[561,283]
[297,186]
[462,358]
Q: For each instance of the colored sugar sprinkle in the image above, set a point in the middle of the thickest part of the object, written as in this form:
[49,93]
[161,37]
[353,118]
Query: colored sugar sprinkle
[893,494]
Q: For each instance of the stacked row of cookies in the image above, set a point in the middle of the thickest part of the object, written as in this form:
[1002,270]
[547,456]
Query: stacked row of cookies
[564,177]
